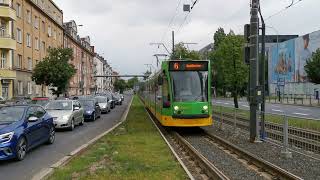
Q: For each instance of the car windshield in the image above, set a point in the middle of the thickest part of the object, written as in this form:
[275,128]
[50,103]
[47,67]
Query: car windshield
[101,99]
[11,114]
[87,103]
[190,86]
[59,105]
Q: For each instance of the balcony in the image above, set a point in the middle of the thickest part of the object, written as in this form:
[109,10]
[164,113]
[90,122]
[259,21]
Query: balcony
[7,12]
[7,42]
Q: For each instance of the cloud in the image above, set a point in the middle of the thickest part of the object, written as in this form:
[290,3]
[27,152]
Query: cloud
[123,29]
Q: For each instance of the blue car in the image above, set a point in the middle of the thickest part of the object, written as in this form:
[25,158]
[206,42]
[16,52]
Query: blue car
[91,108]
[23,127]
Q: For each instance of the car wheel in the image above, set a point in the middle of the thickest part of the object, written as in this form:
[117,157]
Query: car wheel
[52,136]
[21,149]
[94,117]
[82,122]
[71,128]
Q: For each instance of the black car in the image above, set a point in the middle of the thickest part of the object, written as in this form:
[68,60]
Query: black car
[117,99]
[91,109]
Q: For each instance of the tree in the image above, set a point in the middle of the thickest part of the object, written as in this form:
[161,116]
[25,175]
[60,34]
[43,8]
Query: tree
[218,37]
[234,71]
[131,82]
[181,52]
[120,85]
[55,70]
[312,67]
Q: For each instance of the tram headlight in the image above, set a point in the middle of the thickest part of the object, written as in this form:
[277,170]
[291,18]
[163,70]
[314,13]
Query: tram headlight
[205,108]
[176,108]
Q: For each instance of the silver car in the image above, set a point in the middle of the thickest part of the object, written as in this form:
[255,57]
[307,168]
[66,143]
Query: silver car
[104,104]
[66,113]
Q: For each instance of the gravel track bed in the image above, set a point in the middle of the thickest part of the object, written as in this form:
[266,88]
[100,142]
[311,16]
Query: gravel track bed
[224,162]
[300,165]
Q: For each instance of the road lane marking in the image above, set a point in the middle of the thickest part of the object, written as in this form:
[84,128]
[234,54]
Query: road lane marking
[245,106]
[302,114]
[226,103]
[275,106]
[302,109]
[218,102]
[277,110]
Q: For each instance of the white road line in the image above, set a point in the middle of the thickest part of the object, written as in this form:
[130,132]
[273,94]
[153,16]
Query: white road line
[275,106]
[302,114]
[218,102]
[304,109]
[277,110]
[245,106]
[226,103]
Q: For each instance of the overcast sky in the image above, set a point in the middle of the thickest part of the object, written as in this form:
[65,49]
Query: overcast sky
[121,30]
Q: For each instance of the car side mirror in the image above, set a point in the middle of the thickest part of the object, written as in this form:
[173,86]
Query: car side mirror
[76,108]
[32,119]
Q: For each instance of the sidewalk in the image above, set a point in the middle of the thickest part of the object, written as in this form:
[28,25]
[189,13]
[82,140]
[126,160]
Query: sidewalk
[286,101]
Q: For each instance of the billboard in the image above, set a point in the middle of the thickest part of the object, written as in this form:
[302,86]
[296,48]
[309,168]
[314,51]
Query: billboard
[304,46]
[283,61]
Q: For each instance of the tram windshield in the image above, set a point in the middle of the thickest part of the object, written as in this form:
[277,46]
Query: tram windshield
[190,86]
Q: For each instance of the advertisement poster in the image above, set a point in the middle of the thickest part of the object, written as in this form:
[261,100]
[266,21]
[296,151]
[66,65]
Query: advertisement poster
[305,45]
[283,62]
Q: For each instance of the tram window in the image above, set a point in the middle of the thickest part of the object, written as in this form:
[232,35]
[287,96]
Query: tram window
[165,91]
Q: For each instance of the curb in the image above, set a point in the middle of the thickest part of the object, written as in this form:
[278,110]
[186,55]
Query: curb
[45,173]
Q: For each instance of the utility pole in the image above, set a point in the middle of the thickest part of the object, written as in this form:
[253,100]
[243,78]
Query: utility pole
[254,48]
[263,74]
[173,50]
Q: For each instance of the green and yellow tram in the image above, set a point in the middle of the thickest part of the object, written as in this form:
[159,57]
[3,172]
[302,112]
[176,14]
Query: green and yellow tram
[179,94]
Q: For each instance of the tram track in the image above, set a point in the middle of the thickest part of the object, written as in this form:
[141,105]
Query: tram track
[195,164]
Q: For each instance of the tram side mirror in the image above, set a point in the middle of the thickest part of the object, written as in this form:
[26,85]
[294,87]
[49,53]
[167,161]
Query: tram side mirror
[160,80]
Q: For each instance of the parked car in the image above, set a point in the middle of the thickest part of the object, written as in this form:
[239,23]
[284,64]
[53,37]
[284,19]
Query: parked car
[117,99]
[103,103]
[91,108]
[22,100]
[110,100]
[66,113]
[2,100]
[122,97]
[23,127]
[42,101]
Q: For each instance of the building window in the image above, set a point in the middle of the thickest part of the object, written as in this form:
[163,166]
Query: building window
[54,34]
[3,60]
[19,61]
[29,16]
[43,46]
[37,89]
[18,10]
[29,88]
[36,22]
[29,64]
[43,27]
[37,43]
[49,31]
[20,88]
[19,35]
[28,40]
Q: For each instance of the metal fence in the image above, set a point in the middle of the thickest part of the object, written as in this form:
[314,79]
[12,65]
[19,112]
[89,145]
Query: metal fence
[289,130]
[302,99]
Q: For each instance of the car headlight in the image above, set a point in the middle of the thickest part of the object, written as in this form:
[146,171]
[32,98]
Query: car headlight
[5,138]
[176,108]
[66,117]
[89,112]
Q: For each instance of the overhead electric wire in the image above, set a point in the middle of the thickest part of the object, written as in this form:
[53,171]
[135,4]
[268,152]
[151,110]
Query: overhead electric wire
[171,21]
[282,10]
[186,16]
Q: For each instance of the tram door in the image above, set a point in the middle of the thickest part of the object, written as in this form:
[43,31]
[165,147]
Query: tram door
[158,98]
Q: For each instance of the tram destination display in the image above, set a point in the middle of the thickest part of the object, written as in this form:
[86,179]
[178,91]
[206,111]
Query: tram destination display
[188,66]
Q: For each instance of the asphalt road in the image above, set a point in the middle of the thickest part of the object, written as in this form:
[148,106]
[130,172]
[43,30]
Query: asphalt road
[66,141]
[290,110]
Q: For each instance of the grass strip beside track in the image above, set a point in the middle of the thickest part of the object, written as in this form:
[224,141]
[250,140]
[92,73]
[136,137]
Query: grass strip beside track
[293,121]
[135,150]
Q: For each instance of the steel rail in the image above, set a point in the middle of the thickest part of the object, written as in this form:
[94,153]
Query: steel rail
[275,171]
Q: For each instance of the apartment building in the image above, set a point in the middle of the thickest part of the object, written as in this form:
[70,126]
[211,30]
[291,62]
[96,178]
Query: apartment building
[7,47]
[38,27]
[83,82]
[99,62]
